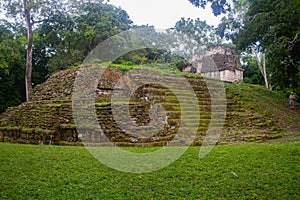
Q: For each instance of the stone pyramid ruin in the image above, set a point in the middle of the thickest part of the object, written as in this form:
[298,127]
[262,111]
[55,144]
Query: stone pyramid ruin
[48,118]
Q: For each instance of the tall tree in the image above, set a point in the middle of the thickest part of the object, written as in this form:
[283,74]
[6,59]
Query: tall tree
[33,12]
[261,62]
[29,24]
[274,27]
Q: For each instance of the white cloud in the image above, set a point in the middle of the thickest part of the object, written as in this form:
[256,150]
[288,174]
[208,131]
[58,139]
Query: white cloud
[164,13]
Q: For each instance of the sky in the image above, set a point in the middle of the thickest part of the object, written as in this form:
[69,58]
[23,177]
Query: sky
[164,14]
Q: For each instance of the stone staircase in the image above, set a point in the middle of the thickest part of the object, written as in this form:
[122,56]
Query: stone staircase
[48,119]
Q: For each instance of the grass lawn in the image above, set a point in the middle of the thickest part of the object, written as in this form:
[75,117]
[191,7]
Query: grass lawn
[262,171]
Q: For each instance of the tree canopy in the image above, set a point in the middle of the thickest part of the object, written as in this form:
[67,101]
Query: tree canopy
[273,27]
[33,12]
[12,69]
[69,39]
[62,33]
[218,6]
[198,30]
[57,42]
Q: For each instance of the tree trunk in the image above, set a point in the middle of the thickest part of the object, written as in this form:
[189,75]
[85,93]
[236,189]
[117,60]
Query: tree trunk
[261,61]
[265,70]
[29,53]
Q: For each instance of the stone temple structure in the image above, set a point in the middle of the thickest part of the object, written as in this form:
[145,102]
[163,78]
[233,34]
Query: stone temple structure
[220,62]
[154,116]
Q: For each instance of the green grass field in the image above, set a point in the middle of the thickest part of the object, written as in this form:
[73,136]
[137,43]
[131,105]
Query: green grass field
[251,171]
[244,171]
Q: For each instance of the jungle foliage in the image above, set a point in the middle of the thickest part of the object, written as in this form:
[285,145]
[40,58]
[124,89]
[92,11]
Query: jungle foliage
[63,40]
[59,42]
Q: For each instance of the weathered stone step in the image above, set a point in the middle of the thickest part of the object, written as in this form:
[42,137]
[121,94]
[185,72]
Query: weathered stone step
[52,110]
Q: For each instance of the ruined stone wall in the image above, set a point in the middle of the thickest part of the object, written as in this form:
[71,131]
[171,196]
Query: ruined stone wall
[233,76]
[220,62]
[48,119]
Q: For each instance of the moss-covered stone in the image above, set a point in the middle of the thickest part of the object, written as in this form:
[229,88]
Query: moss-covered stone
[48,118]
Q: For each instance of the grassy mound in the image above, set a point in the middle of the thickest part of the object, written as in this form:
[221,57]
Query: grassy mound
[273,106]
